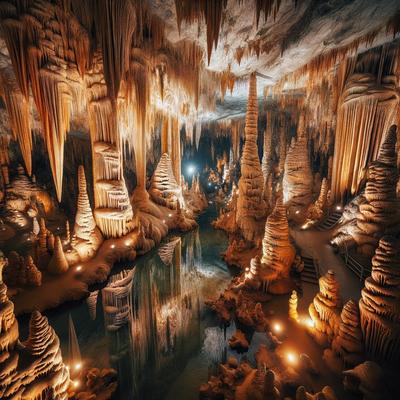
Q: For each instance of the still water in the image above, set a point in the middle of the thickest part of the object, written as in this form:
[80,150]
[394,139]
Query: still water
[150,323]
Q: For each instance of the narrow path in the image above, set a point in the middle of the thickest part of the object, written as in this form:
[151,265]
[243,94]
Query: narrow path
[315,244]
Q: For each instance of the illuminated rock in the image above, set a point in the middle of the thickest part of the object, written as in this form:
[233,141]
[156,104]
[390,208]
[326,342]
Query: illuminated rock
[58,263]
[278,253]
[251,205]
[378,212]
[325,308]
[379,304]
[297,179]
[87,236]
[317,210]
[163,188]
[293,314]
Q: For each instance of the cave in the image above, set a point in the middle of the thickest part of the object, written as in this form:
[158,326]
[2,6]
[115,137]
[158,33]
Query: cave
[199,199]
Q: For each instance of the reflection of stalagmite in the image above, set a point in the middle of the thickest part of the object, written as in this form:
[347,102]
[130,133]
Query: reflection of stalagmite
[164,189]
[379,214]
[278,253]
[379,304]
[293,314]
[58,263]
[324,310]
[348,343]
[87,236]
[250,206]
[298,179]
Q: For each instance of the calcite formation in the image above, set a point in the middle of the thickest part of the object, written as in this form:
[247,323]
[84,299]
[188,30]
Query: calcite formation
[293,314]
[250,205]
[317,210]
[58,263]
[348,344]
[378,214]
[297,178]
[87,236]
[277,252]
[325,308]
[164,189]
[32,369]
[379,303]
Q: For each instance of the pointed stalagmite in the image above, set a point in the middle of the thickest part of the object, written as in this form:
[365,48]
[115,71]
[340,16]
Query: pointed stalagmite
[316,211]
[379,214]
[348,343]
[164,189]
[297,178]
[324,310]
[278,253]
[91,302]
[379,304]
[293,314]
[251,205]
[58,263]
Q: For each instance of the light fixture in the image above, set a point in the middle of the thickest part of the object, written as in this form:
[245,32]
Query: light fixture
[277,327]
[291,357]
[78,268]
[78,366]
[191,169]
[112,246]
[338,208]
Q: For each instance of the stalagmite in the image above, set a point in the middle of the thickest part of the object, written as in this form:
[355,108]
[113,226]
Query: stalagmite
[379,214]
[293,314]
[379,304]
[278,253]
[297,178]
[324,310]
[164,189]
[348,343]
[87,235]
[316,211]
[251,205]
[91,302]
[58,263]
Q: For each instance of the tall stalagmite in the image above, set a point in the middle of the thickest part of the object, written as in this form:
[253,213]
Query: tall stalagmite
[251,205]
[87,235]
[297,178]
[379,214]
[58,263]
[379,304]
[278,253]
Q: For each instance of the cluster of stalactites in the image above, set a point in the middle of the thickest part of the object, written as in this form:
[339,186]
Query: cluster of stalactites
[380,314]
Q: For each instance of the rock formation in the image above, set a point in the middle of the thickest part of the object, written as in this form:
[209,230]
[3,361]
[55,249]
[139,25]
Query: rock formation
[58,263]
[34,369]
[325,308]
[348,344]
[252,274]
[164,189]
[379,213]
[87,236]
[379,304]
[297,178]
[293,314]
[317,210]
[278,253]
[250,205]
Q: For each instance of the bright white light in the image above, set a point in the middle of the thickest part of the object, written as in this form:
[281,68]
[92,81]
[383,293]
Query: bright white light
[78,268]
[297,211]
[216,187]
[75,384]
[291,357]
[78,366]
[191,169]
[277,327]
[170,215]
[338,208]
[112,246]
[209,183]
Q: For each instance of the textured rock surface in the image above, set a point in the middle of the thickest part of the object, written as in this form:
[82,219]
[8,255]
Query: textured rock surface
[379,304]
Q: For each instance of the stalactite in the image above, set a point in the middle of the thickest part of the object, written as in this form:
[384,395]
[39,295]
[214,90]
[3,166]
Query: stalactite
[176,149]
[268,7]
[251,206]
[116,23]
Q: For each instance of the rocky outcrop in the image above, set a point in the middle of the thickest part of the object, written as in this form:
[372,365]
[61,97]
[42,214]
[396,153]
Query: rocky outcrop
[379,304]
[87,236]
[251,205]
[297,178]
[317,210]
[278,253]
[293,314]
[379,213]
[164,189]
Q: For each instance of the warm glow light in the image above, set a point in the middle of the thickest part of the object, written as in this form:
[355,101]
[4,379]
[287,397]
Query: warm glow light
[338,208]
[78,268]
[297,212]
[170,215]
[112,246]
[75,384]
[291,357]
[78,366]
[309,322]
[163,221]
[277,327]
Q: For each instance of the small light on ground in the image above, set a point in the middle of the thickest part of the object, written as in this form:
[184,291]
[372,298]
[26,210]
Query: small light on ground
[297,212]
[170,215]
[291,357]
[277,327]
[75,384]
[338,208]
[78,268]
[78,366]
